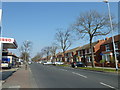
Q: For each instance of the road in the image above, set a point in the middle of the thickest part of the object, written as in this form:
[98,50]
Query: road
[5,74]
[48,76]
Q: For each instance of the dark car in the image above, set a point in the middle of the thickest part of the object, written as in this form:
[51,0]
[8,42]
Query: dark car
[79,64]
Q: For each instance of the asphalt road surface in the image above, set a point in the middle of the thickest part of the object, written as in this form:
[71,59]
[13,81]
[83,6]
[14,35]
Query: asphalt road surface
[5,74]
[48,76]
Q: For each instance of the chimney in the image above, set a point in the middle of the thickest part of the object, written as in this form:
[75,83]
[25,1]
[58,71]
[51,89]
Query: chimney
[106,38]
[99,40]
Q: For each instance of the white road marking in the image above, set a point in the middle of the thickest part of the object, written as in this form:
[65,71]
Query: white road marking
[79,74]
[14,86]
[106,85]
[63,70]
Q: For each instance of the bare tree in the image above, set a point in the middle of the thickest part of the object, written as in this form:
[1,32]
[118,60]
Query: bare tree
[64,40]
[25,50]
[92,24]
[53,50]
[24,56]
[46,52]
[38,56]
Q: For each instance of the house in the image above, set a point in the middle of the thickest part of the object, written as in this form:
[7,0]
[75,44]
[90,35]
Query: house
[70,55]
[108,51]
[60,56]
[84,52]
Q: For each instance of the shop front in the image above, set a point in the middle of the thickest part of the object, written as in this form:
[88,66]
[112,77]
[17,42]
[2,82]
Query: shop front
[7,43]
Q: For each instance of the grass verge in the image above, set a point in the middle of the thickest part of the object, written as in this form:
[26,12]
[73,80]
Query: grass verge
[64,65]
[94,69]
[99,69]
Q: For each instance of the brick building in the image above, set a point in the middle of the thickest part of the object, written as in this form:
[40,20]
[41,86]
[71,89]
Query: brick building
[108,51]
[84,52]
[70,55]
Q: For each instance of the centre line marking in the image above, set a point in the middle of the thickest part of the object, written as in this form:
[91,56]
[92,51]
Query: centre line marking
[106,85]
[63,69]
[79,74]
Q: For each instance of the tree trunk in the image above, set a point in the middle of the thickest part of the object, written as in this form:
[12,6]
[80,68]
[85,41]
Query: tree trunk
[92,53]
[63,56]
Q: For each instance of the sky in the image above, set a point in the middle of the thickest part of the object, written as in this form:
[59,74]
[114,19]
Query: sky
[38,21]
[58,0]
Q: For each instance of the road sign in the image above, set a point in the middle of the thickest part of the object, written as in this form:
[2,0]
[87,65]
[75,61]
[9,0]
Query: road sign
[101,54]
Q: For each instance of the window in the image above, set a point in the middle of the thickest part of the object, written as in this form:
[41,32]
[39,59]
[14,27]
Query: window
[117,54]
[86,51]
[78,53]
[89,59]
[116,46]
[89,50]
[71,54]
[107,47]
[106,57]
[81,52]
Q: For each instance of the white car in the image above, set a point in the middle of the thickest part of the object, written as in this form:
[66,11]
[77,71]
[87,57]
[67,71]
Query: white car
[40,62]
[58,63]
[5,65]
[47,63]
[29,62]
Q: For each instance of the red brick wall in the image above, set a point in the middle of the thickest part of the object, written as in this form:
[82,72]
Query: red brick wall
[97,49]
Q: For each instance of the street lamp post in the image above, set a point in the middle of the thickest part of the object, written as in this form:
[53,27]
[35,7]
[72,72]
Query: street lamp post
[1,45]
[111,26]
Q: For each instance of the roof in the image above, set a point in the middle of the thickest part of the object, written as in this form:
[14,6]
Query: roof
[87,46]
[59,53]
[109,40]
[72,50]
[8,43]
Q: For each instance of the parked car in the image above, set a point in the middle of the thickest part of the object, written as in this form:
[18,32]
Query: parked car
[43,62]
[58,63]
[77,64]
[47,63]
[40,62]
[5,64]
[29,62]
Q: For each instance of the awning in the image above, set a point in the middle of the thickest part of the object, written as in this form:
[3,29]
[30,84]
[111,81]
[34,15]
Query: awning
[8,43]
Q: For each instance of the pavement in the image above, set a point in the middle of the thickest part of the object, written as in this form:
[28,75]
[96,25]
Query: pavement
[22,78]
